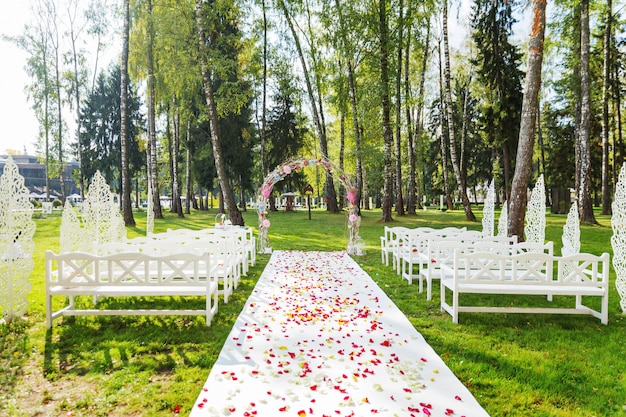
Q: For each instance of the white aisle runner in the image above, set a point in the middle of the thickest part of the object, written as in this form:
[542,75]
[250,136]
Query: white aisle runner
[318,337]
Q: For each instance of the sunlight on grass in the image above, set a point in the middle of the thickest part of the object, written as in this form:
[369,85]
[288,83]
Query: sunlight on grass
[515,364]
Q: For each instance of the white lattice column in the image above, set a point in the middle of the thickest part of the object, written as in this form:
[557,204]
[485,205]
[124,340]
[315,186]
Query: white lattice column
[488,211]
[503,221]
[535,229]
[102,219]
[72,235]
[16,242]
[571,232]
[618,240]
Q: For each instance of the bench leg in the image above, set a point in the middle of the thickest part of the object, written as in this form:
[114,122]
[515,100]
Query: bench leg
[455,307]
[48,311]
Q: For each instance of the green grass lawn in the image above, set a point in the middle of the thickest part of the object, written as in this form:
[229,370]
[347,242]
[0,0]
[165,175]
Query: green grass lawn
[514,364]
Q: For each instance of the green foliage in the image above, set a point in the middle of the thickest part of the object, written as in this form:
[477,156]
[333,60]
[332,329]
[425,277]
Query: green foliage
[101,129]
[285,128]
[499,83]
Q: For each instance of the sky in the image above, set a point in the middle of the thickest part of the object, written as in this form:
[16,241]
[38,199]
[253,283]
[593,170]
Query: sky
[18,126]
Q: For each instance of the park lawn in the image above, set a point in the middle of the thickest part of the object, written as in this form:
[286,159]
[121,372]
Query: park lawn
[514,364]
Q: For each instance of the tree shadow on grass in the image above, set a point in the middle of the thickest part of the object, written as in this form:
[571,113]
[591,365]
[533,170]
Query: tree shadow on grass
[14,354]
[549,362]
[104,344]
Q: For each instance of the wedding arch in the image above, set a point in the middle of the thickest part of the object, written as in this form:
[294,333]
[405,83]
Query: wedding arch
[355,245]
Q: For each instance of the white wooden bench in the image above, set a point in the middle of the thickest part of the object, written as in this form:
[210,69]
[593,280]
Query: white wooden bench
[578,275]
[440,255]
[130,274]
[416,255]
[413,242]
[225,251]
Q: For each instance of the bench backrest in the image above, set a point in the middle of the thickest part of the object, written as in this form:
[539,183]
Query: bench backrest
[489,267]
[582,269]
[126,268]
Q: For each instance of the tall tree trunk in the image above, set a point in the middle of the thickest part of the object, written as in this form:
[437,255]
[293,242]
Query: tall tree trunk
[442,141]
[188,191]
[469,215]
[419,120]
[54,35]
[347,50]
[174,156]
[585,207]
[127,208]
[357,134]
[331,195]
[342,147]
[366,193]
[462,157]
[153,171]
[606,189]
[523,162]
[263,116]
[233,212]
[47,122]
[411,203]
[169,136]
[387,132]
[506,162]
[399,198]
[76,81]
[542,153]
[617,160]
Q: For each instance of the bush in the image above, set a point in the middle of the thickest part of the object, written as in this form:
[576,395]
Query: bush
[57,204]
[36,203]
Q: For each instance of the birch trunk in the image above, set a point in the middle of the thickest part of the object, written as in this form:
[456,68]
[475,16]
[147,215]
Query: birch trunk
[127,208]
[331,195]
[188,190]
[153,174]
[585,207]
[347,49]
[399,197]
[386,108]
[442,142]
[523,165]
[233,212]
[606,190]
[469,215]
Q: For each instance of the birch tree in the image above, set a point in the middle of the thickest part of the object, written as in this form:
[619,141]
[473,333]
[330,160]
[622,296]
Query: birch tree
[127,208]
[312,80]
[523,165]
[233,211]
[469,215]
[583,140]
[606,99]
[386,110]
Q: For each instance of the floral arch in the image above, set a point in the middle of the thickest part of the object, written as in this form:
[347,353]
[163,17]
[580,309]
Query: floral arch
[293,165]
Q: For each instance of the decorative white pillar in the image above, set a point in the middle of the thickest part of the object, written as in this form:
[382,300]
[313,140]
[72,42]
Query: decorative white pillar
[503,221]
[571,232]
[72,234]
[618,240]
[16,242]
[535,229]
[488,211]
[102,219]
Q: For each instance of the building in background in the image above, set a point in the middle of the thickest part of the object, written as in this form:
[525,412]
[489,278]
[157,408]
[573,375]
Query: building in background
[34,173]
